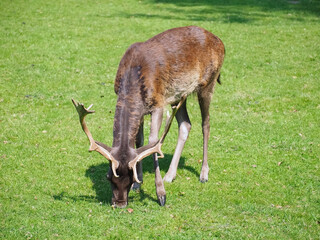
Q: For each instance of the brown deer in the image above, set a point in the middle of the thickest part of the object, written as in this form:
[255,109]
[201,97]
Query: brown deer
[152,74]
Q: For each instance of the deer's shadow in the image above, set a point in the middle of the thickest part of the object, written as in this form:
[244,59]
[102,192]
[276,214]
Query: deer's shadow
[97,174]
[100,184]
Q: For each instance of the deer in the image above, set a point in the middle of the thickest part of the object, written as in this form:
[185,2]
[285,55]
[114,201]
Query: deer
[161,71]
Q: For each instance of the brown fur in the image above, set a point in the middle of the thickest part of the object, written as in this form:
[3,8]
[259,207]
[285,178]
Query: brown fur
[167,59]
[155,73]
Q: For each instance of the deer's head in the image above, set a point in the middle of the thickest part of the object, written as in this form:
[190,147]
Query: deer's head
[123,162]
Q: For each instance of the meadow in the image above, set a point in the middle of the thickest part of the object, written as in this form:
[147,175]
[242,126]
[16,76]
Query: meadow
[264,150]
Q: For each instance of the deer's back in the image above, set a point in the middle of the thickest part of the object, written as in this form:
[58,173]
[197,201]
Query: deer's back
[174,63]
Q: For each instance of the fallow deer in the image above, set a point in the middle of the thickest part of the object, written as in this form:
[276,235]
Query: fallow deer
[152,74]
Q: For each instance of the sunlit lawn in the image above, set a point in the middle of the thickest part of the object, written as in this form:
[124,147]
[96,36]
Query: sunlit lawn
[264,180]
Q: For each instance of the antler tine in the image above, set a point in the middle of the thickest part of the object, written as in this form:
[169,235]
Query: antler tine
[82,111]
[156,148]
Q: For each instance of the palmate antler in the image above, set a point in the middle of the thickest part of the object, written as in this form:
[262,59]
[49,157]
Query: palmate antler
[149,149]
[94,145]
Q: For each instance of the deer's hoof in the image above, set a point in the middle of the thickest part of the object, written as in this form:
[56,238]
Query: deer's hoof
[204,175]
[203,180]
[162,200]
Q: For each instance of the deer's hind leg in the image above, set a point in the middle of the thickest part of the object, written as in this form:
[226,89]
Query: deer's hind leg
[204,96]
[184,125]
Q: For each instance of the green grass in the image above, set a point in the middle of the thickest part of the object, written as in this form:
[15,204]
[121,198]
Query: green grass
[264,180]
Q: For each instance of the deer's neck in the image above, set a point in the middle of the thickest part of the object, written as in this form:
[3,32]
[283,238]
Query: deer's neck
[129,113]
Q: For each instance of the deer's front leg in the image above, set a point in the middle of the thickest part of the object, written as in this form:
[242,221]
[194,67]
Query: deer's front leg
[156,119]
